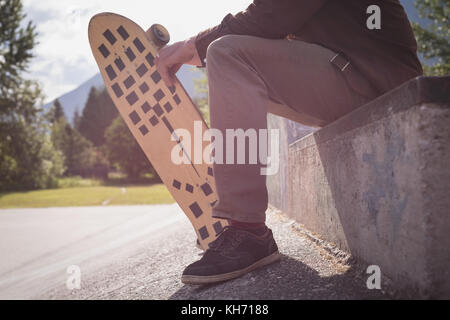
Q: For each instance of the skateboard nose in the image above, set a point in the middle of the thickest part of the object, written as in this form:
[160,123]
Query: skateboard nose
[98,20]
[95,21]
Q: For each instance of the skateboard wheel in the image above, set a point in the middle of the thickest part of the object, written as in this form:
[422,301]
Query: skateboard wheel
[159,35]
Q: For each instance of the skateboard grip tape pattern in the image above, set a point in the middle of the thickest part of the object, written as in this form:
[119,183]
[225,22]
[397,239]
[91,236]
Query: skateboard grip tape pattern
[152,112]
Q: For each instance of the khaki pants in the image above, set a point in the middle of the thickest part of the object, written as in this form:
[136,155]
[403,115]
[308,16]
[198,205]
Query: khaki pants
[250,76]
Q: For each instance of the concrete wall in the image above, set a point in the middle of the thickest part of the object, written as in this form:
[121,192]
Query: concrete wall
[377,183]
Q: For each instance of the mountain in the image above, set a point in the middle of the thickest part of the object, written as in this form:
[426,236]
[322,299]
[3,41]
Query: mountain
[76,99]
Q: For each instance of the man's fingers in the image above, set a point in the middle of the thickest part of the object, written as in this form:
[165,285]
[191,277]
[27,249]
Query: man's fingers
[174,69]
[169,61]
[163,69]
[167,78]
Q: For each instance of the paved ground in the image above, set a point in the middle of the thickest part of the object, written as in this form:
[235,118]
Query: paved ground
[139,252]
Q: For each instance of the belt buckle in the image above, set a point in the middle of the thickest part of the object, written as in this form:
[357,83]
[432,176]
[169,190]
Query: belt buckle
[342,61]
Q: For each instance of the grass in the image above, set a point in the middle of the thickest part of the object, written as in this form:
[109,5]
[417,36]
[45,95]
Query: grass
[87,192]
[114,179]
[72,182]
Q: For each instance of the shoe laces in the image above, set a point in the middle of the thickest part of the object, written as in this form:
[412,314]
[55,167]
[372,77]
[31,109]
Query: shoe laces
[227,240]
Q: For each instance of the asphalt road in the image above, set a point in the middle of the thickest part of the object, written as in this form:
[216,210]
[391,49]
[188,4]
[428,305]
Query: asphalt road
[139,252]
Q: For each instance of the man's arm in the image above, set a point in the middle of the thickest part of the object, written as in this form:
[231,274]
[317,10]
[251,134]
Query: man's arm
[273,19]
[263,18]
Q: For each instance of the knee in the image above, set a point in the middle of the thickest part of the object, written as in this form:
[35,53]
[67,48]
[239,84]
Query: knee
[222,47]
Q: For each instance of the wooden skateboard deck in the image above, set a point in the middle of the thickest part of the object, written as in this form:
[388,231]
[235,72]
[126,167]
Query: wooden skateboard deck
[125,55]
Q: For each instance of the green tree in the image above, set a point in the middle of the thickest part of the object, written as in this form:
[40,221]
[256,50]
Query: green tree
[433,39]
[27,156]
[123,151]
[79,153]
[56,112]
[76,119]
[201,95]
[28,159]
[16,44]
[98,114]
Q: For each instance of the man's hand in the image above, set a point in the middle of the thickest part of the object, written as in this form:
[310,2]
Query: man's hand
[171,58]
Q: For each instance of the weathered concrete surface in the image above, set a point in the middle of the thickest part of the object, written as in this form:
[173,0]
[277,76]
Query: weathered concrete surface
[377,183]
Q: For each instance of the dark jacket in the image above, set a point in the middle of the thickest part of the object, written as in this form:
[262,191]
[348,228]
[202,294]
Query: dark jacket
[386,57]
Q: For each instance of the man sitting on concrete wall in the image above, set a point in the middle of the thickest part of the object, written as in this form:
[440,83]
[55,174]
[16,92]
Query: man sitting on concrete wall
[310,61]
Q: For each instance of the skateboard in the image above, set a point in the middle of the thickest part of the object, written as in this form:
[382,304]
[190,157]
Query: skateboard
[125,55]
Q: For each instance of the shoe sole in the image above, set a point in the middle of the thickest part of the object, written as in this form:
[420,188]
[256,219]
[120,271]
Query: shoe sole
[187,279]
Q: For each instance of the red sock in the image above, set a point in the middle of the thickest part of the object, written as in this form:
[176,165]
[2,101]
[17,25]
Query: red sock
[256,228]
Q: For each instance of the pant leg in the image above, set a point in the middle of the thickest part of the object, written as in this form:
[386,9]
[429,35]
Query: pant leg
[246,76]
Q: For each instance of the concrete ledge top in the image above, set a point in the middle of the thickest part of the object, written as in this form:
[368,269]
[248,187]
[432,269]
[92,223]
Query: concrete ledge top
[416,91]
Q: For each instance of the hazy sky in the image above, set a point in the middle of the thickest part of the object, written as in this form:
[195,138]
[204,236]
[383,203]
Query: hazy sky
[63,57]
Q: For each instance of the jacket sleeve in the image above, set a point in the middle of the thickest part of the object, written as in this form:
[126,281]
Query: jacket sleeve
[273,19]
